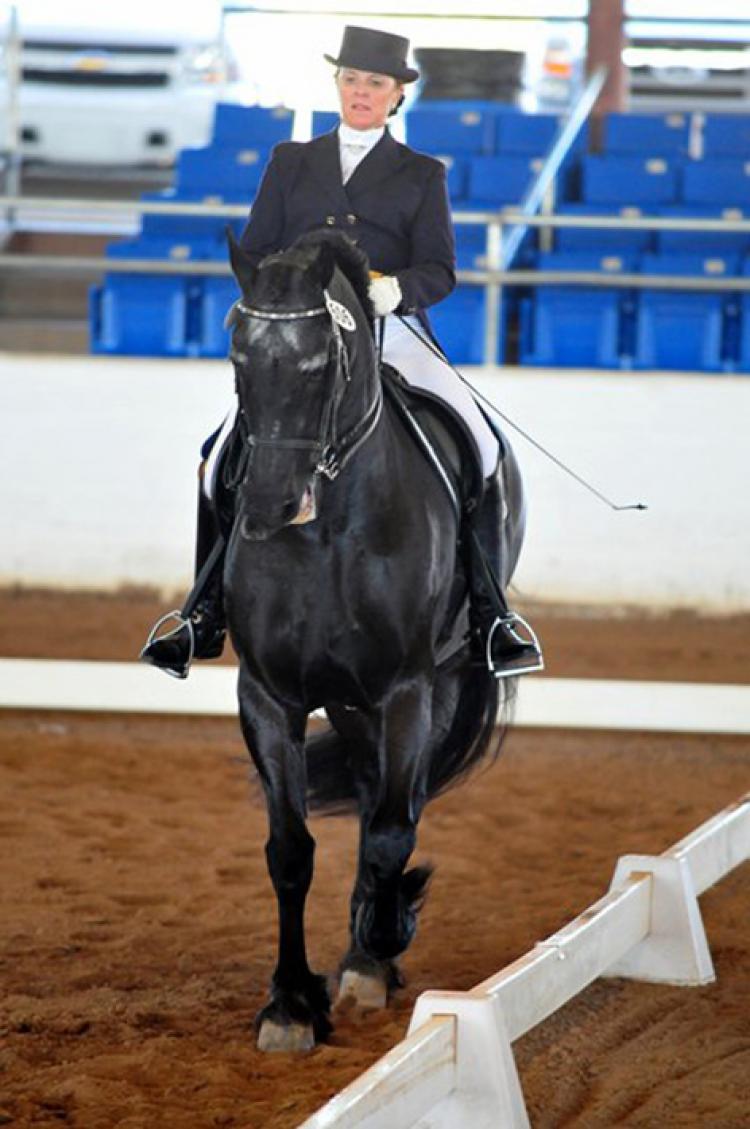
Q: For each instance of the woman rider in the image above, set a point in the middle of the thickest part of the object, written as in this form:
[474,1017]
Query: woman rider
[392,202]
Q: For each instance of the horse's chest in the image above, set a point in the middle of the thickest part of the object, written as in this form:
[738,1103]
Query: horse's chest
[318,620]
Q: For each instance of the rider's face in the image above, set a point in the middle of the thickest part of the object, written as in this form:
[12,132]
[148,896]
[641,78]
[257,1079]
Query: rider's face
[366,98]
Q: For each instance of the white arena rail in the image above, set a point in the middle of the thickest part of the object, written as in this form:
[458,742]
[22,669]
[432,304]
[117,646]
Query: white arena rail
[456,1066]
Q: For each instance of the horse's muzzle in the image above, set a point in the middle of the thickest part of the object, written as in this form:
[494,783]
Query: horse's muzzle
[255,524]
[251,531]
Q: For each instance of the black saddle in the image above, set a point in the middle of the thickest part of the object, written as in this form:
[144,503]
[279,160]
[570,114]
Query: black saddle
[443,437]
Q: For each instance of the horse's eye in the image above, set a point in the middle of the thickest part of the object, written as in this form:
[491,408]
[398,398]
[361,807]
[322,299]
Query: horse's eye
[314,367]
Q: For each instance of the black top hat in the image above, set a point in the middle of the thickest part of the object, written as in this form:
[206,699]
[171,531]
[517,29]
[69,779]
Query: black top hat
[378,52]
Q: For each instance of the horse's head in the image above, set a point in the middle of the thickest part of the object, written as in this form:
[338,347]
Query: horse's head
[302,351]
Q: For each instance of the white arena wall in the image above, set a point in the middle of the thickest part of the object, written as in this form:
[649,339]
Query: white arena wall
[98,459]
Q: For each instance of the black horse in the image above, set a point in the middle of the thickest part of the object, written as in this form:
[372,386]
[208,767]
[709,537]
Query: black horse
[342,581]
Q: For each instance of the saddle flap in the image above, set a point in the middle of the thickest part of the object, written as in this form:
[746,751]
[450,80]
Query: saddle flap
[442,436]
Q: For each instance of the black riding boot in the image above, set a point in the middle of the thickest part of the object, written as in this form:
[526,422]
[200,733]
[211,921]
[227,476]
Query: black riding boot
[199,630]
[508,643]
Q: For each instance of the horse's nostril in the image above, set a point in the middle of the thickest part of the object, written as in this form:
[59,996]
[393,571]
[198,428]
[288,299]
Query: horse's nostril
[251,530]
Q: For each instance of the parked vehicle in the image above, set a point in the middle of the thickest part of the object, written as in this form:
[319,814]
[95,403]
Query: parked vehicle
[688,66]
[681,65]
[113,84]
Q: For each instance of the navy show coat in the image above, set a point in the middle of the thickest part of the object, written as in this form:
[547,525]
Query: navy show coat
[394,206]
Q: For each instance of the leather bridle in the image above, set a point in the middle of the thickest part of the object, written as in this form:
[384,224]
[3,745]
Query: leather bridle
[332,451]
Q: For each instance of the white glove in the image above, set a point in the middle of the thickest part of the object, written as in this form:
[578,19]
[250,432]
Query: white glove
[385,295]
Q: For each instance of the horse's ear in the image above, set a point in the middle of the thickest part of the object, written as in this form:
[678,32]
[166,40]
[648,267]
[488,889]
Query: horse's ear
[323,265]
[242,268]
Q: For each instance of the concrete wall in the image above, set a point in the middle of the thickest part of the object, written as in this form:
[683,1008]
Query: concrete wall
[98,457]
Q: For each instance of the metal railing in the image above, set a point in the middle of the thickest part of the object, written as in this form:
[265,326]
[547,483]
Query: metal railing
[486,277]
[519,277]
[492,279]
[11,68]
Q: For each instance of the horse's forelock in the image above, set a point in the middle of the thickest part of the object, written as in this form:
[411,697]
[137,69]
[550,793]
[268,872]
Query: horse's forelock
[283,280]
[346,255]
[321,260]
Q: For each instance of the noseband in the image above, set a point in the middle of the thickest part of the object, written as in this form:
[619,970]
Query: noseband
[332,453]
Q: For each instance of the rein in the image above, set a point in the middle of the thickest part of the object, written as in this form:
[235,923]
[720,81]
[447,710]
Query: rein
[332,454]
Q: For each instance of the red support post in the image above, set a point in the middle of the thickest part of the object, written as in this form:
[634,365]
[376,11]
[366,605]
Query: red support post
[606,39]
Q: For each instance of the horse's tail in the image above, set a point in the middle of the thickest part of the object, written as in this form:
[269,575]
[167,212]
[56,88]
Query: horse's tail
[330,780]
[473,710]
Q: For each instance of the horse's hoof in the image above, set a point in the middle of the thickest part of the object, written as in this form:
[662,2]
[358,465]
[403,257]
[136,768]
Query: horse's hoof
[294,1037]
[365,991]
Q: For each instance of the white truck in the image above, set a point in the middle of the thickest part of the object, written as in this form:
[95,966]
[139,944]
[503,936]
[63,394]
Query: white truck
[112,84]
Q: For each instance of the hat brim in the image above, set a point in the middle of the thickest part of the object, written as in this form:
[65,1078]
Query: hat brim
[404,74]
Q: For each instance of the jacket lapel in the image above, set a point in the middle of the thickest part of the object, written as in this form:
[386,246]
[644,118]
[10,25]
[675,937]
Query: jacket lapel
[324,162]
[380,163]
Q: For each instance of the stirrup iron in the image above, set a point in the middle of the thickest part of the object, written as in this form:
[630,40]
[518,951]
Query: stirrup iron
[180,622]
[511,621]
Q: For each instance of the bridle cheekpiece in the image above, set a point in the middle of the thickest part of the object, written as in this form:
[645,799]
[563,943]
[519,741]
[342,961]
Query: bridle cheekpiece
[332,454]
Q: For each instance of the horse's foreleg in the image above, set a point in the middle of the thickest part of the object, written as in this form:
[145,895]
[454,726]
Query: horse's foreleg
[386,897]
[296,1016]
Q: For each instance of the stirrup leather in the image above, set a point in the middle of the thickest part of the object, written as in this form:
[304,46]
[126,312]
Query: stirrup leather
[511,621]
[180,622]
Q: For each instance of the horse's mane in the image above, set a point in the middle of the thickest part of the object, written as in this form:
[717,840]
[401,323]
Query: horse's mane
[347,256]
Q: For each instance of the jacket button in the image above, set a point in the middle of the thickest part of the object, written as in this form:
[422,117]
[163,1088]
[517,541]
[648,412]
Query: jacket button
[330,220]
[351,219]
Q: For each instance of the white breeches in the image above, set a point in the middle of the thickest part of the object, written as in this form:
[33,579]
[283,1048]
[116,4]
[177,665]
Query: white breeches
[421,366]
[209,472]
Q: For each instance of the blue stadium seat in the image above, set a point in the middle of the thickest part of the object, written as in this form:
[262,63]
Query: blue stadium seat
[683,329]
[726,135]
[531,133]
[651,135]
[628,180]
[323,121]
[150,315]
[471,245]
[458,324]
[457,174]
[208,296]
[577,326]
[455,130]
[245,127]
[703,242]
[189,227]
[743,335]
[723,182]
[453,105]
[232,173]
[496,181]
[139,315]
[602,240]
[195,249]
[216,296]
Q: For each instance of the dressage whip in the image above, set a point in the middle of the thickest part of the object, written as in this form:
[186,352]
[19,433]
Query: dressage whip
[524,434]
